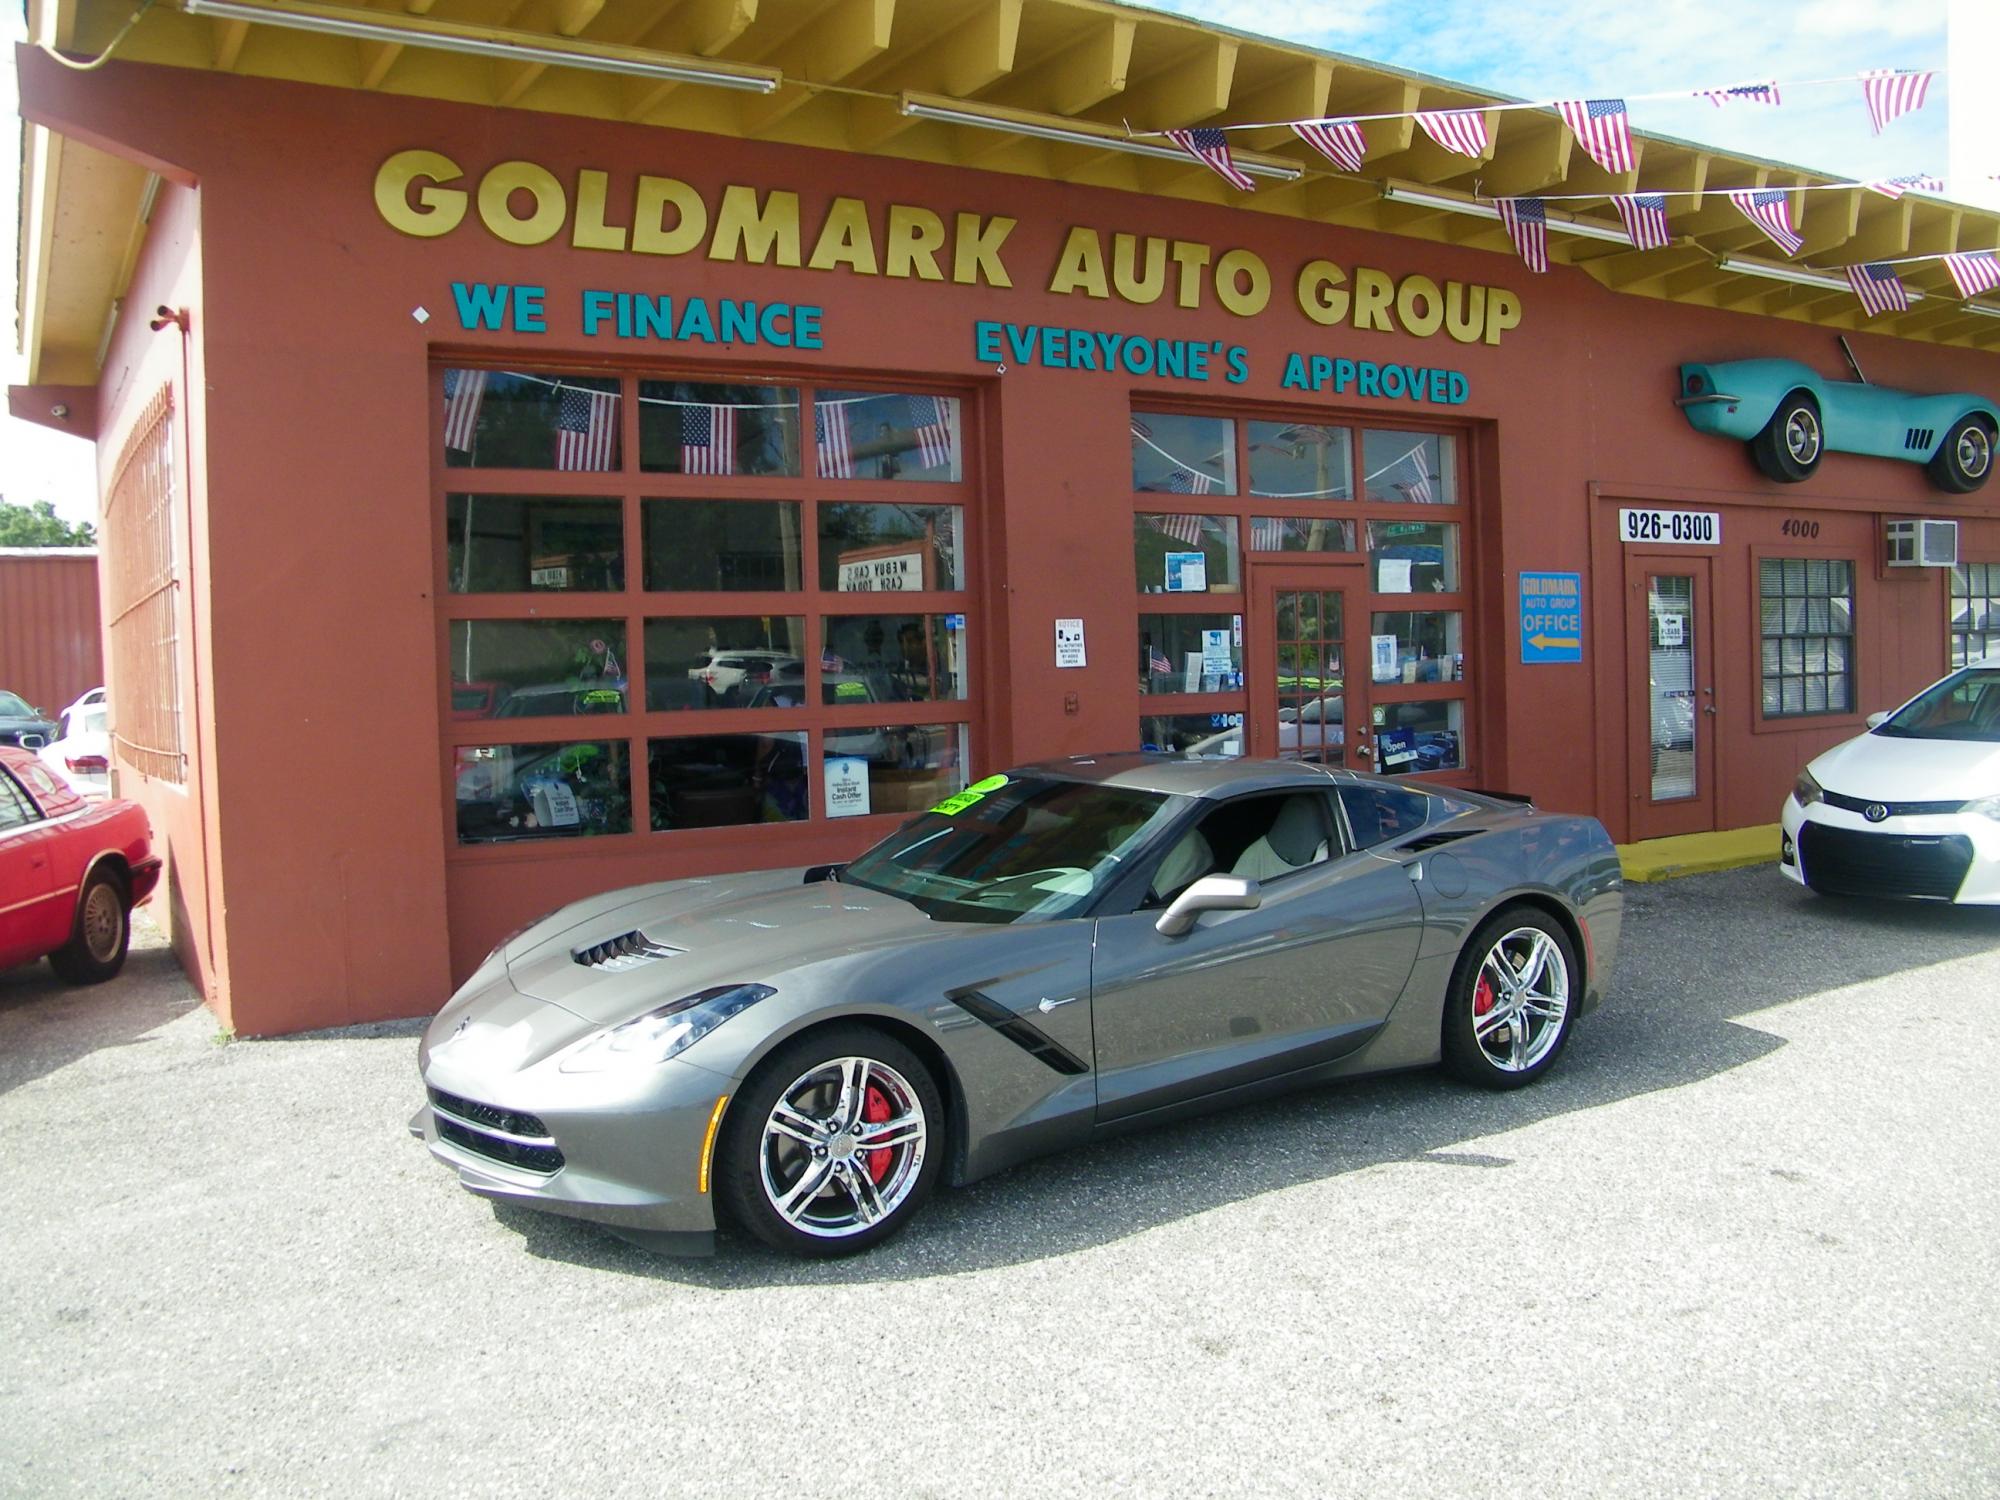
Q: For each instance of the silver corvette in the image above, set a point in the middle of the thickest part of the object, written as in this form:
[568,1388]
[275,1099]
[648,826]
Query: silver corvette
[1054,953]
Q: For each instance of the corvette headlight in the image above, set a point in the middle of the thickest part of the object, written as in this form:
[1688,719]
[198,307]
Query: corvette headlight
[1986,807]
[666,1031]
[1806,790]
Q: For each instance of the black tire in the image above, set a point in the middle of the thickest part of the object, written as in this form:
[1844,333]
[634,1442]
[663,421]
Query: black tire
[1790,446]
[1964,459]
[1472,1060]
[100,934]
[754,1161]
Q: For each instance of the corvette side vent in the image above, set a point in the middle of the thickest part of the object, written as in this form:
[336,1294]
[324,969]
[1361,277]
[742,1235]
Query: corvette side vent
[1435,840]
[630,950]
[1919,439]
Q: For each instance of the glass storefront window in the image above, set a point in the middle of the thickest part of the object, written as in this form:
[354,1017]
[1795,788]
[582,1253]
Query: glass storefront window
[1178,554]
[1300,534]
[687,428]
[892,658]
[1426,645]
[520,669]
[1413,557]
[507,419]
[879,435]
[1192,734]
[1420,468]
[1301,461]
[1190,653]
[900,768]
[1416,737]
[1176,455]
[1975,612]
[726,663]
[722,546]
[1806,608]
[518,544]
[719,780]
[890,548]
[508,793]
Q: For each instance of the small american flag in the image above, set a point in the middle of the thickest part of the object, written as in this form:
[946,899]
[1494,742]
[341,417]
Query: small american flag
[1895,187]
[1645,216]
[1974,271]
[1879,290]
[586,429]
[927,420]
[1527,222]
[1210,147]
[708,440]
[1769,211]
[1603,129]
[1742,93]
[1891,92]
[836,459]
[1339,141]
[828,662]
[463,391]
[1460,130]
[1418,489]
[1181,528]
[1190,482]
[1267,533]
[1157,663]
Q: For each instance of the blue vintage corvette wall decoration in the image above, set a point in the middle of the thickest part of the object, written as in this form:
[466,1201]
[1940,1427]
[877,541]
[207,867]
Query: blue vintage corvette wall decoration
[1790,415]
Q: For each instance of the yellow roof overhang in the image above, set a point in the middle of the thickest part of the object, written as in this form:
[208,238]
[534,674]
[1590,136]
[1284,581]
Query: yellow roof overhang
[847,66]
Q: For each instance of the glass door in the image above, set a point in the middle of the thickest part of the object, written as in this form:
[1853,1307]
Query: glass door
[1672,697]
[1305,685]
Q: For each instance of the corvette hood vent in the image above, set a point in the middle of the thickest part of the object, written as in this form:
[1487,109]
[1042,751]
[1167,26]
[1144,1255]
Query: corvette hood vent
[629,950]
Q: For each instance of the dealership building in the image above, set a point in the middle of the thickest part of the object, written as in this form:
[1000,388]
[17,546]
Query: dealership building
[511,420]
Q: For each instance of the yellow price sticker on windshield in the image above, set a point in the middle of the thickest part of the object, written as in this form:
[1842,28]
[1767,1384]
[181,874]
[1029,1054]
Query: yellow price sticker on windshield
[970,795]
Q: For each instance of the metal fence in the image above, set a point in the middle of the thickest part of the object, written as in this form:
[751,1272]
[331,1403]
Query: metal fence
[142,573]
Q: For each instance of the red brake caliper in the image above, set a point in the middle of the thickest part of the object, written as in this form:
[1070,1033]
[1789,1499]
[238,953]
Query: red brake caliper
[1482,996]
[875,1109]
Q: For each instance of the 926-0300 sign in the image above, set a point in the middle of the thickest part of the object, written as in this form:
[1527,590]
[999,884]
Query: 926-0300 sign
[1693,528]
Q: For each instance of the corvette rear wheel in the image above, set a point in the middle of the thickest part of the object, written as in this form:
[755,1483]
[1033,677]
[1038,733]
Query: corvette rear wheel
[833,1144]
[1964,459]
[1788,449]
[1512,1000]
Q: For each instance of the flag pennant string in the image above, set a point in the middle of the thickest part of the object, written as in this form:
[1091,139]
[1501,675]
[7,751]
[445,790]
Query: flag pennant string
[1895,187]
[1460,130]
[1339,141]
[1645,217]
[1603,128]
[1891,92]
[1879,288]
[1770,212]
[1742,93]
[1974,271]
[1210,147]
[1528,226]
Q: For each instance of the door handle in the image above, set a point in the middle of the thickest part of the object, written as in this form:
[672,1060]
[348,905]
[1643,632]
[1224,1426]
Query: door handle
[1708,708]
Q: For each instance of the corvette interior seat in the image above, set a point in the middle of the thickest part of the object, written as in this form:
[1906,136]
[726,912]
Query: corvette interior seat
[1295,839]
[1185,863]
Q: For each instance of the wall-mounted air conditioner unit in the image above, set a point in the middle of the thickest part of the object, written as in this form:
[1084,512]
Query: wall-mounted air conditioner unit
[1922,544]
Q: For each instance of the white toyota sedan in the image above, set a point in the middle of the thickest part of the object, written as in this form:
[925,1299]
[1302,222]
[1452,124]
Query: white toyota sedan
[1912,807]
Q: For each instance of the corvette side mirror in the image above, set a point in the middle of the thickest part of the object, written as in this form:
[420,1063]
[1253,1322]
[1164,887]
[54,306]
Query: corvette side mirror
[1877,720]
[1210,893]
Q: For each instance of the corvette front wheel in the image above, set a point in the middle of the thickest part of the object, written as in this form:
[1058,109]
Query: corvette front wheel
[1788,449]
[1964,459]
[833,1144]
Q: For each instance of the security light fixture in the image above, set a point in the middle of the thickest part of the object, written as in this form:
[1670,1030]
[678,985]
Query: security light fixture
[487,41]
[1475,208]
[1075,133]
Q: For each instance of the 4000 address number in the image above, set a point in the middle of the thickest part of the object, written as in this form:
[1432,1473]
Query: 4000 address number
[1692,528]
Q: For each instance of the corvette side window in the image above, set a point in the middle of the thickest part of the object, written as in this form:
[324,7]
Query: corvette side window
[16,808]
[1263,838]
[1380,813]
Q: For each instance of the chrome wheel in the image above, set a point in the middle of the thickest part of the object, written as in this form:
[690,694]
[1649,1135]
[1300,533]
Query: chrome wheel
[1802,435]
[843,1147]
[1520,999]
[1975,451]
[103,923]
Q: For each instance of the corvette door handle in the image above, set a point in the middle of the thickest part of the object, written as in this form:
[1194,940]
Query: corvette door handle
[1048,1005]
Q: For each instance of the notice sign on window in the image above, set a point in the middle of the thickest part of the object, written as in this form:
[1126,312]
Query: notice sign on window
[1551,617]
[846,786]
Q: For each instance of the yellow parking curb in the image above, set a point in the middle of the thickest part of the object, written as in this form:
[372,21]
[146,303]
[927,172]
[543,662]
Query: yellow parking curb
[1699,853]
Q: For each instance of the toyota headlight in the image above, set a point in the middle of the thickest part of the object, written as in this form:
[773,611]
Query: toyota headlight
[1986,807]
[666,1031]
[1805,790]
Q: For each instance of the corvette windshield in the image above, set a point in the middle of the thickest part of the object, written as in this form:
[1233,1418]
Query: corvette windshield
[1013,849]
[1962,707]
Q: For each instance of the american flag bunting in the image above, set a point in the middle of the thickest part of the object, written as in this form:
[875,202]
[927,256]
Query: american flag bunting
[586,429]
[463,391]
[1974,271]
[836,458]
[1742,93]
[708,440]
[1895,187]
[1527,222]
[1768,210]
[1190,482]
[1186,529]
[1418,489]
[1460,130]
[1602,128]
[1645,217]
[926,417]
[1210,147]
[1339,141]
[1878,288]
[1267,533]
[1891,92]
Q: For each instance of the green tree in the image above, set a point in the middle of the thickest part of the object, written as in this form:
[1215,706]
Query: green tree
[38,525]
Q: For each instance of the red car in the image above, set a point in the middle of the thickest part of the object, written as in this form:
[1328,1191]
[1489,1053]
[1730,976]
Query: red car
[70,872]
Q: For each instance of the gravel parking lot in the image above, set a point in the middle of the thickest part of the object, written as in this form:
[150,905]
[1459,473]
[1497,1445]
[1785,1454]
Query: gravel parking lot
[1741,1242]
